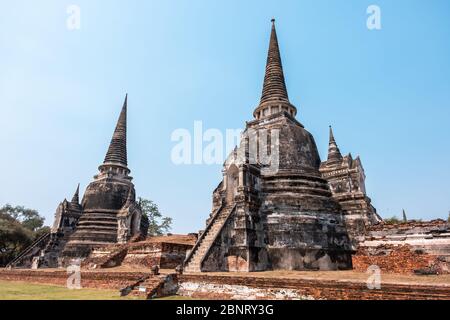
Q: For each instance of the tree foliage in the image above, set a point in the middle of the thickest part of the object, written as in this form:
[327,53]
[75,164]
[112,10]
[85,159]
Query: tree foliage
[19,227]
[29,218]
[158,224]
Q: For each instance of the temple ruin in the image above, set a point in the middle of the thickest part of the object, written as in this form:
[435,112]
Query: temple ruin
[277,207]
[281,214]
[107,214]
[346,179]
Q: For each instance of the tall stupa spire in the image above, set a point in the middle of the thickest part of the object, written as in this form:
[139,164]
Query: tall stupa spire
[274,87]
[334,154]
[274,96]
[117,151]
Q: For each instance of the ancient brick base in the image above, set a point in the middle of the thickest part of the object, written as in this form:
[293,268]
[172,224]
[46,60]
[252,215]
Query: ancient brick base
[254,288]
[241,287]
[395,259]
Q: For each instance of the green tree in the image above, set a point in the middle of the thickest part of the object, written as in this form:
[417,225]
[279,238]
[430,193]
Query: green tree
[158,224]
[29,218]
[41,231]
[19,227]
[13,238]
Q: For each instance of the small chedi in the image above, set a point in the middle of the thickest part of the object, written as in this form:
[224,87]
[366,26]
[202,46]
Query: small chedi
[281,214]
[107,214]
[346,179]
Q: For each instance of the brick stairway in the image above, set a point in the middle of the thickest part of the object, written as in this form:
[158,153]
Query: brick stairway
[93,229]
[97,226]
[150,287]
[193,262]
[117,253]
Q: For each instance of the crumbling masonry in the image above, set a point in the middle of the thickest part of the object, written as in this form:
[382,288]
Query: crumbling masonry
[280,214]
[107,214]
[277,207]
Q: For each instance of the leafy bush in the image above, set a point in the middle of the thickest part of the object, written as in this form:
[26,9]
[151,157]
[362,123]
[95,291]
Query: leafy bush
[157,223]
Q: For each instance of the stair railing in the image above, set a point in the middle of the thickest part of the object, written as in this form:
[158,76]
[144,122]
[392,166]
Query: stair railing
[218,233]
[27,250]
[202,236]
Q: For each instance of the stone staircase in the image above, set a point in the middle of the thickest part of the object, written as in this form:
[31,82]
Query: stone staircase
[194,260]
[150,287]
[93,229]
[114,257]
[102,225]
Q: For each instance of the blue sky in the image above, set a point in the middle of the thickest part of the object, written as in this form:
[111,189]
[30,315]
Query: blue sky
[386,93]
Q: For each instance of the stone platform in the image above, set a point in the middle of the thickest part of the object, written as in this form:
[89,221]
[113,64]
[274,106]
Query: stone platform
[333,285]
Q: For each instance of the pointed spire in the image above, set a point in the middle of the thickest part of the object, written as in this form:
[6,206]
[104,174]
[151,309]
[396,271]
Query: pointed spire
[76,197]
[117,151]
[274,98]
[274,87]
[332,135]
[334,154]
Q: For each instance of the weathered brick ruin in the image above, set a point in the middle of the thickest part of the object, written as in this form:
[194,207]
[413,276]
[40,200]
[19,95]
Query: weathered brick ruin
[254,286]
[166,252]
[346,179]
[281,213]
[410,247]
[278,208]
[108,212]
[66,218]
[46,250]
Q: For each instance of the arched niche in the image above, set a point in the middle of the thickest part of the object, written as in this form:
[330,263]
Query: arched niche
[135,223]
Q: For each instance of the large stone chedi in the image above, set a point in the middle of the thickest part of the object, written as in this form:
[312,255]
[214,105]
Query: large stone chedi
[107,214]
[276,214]
[110,213]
